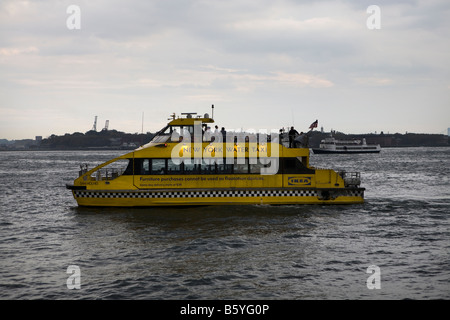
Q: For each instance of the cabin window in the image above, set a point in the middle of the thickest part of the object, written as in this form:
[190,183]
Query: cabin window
[191,166]
[187,130]
[180,133]
[158,166]
[176,134]
[255,166]
[145,166]
[240,165]
[224,168]
[173,168]
[208,166]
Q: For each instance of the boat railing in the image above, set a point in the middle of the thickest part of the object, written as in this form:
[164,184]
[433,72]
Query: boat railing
[84,168]
[106,174]
[102,174]
[351,179]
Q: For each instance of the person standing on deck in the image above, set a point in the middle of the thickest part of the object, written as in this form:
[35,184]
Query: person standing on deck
[292,134]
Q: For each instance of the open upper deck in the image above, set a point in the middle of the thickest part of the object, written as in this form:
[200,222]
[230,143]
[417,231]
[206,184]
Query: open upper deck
[192,134]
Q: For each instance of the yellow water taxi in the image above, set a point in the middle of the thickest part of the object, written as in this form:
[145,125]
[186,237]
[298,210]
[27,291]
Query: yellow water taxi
[186,163]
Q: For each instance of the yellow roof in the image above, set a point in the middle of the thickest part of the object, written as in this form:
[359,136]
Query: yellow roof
[189,121]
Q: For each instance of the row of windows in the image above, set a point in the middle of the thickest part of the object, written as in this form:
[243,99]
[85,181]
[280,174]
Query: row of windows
[239,166]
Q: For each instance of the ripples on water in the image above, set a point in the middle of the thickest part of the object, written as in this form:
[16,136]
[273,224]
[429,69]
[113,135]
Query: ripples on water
[236,252]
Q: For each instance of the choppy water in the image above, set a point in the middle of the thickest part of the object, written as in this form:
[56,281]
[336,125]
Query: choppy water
[241,252]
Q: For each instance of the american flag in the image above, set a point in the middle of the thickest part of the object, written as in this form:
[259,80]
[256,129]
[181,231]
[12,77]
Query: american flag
[314,124]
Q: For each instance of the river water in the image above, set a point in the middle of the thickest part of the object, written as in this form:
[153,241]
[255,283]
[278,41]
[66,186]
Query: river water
[229,252]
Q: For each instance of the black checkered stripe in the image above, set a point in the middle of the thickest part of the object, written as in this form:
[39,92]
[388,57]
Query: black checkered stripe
[195,194]
[355,193]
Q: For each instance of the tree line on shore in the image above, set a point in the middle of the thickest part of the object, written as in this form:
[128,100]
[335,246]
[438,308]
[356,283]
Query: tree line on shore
[93,139]
[113,139]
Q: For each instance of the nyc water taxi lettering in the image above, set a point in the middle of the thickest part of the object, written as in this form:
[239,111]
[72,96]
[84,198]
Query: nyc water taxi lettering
[299,181]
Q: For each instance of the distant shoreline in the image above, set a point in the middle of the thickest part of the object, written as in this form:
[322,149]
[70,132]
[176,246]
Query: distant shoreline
[128,150]
[117,141]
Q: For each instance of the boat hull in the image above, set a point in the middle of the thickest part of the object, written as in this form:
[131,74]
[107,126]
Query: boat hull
[168,197]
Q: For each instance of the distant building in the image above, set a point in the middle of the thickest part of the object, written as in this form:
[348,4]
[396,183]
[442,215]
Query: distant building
[38,140]
[448,131]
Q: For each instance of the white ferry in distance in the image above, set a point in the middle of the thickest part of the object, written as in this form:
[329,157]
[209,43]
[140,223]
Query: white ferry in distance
[331,145]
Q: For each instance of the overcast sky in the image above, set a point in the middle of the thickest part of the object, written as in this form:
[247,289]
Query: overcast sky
[264,64]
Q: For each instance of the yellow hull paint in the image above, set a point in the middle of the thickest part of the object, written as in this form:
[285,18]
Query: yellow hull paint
[133,198]
[212,202]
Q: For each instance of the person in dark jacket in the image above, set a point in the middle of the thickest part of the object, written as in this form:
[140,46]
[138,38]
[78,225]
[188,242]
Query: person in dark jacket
[292,134]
